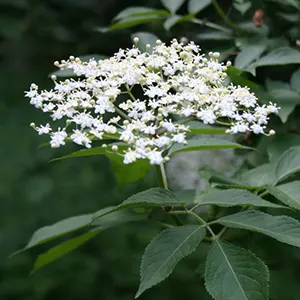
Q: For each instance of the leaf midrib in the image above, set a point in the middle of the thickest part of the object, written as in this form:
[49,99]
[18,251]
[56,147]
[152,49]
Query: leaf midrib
[198,228]
[231,269]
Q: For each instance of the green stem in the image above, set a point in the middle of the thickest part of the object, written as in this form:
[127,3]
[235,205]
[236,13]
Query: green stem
[211,25]
[161,176]
[121,113]
[223,16]
[202,221]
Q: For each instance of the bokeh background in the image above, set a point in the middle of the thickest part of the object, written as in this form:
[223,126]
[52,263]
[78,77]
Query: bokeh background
[34,192]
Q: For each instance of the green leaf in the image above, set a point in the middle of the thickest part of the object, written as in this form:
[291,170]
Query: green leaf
[194,6]
[108,221]
[242,5]
[235,273]
[62,249]
[120,217]
[287,193]
[90,152]
[260,176]
[59,229]
[280,143]
[172,5]
[282,228]
[295,81]
[250,53]
[215,35]
[197,127]
[205,144]
[233,197]
[70,72]
[279,56]
[176,19]
[288,163]
[134,11]
[154,197]
[129,173]
[144,39]
[294,3]
[171,21]
[62,227]
[237,78]
[287,99]
[220,180]
[165,251]
[131,22]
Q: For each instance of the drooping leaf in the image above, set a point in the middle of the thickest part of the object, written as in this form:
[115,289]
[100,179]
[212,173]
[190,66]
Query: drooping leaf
[194,6]
[282,228]
[172,5]
[61,228]
[62,249]
[282,142]
[154,197]
[295,80]
[139,11]
[165,251]
[144,39]
[233,197]
[288,163]
[288,193]
[235,273]
[197,127]
[70,72]
[108,221]
[205,144]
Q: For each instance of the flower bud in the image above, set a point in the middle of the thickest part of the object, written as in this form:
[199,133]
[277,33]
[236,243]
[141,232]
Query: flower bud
[136,40]
[272,132]
[115,148]
[53,77]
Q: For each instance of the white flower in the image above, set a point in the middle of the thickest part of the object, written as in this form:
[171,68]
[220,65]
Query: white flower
[81,138]
[179,138]
[44,129]
[207,116]
[257,129]
[129,157]
[58,138]
[155,157]
[169,126]
[173,82]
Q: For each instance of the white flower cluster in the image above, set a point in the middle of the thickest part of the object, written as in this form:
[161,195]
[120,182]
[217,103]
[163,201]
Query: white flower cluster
[171,81]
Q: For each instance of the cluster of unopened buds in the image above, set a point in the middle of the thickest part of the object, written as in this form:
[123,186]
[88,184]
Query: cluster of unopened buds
[134,97]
